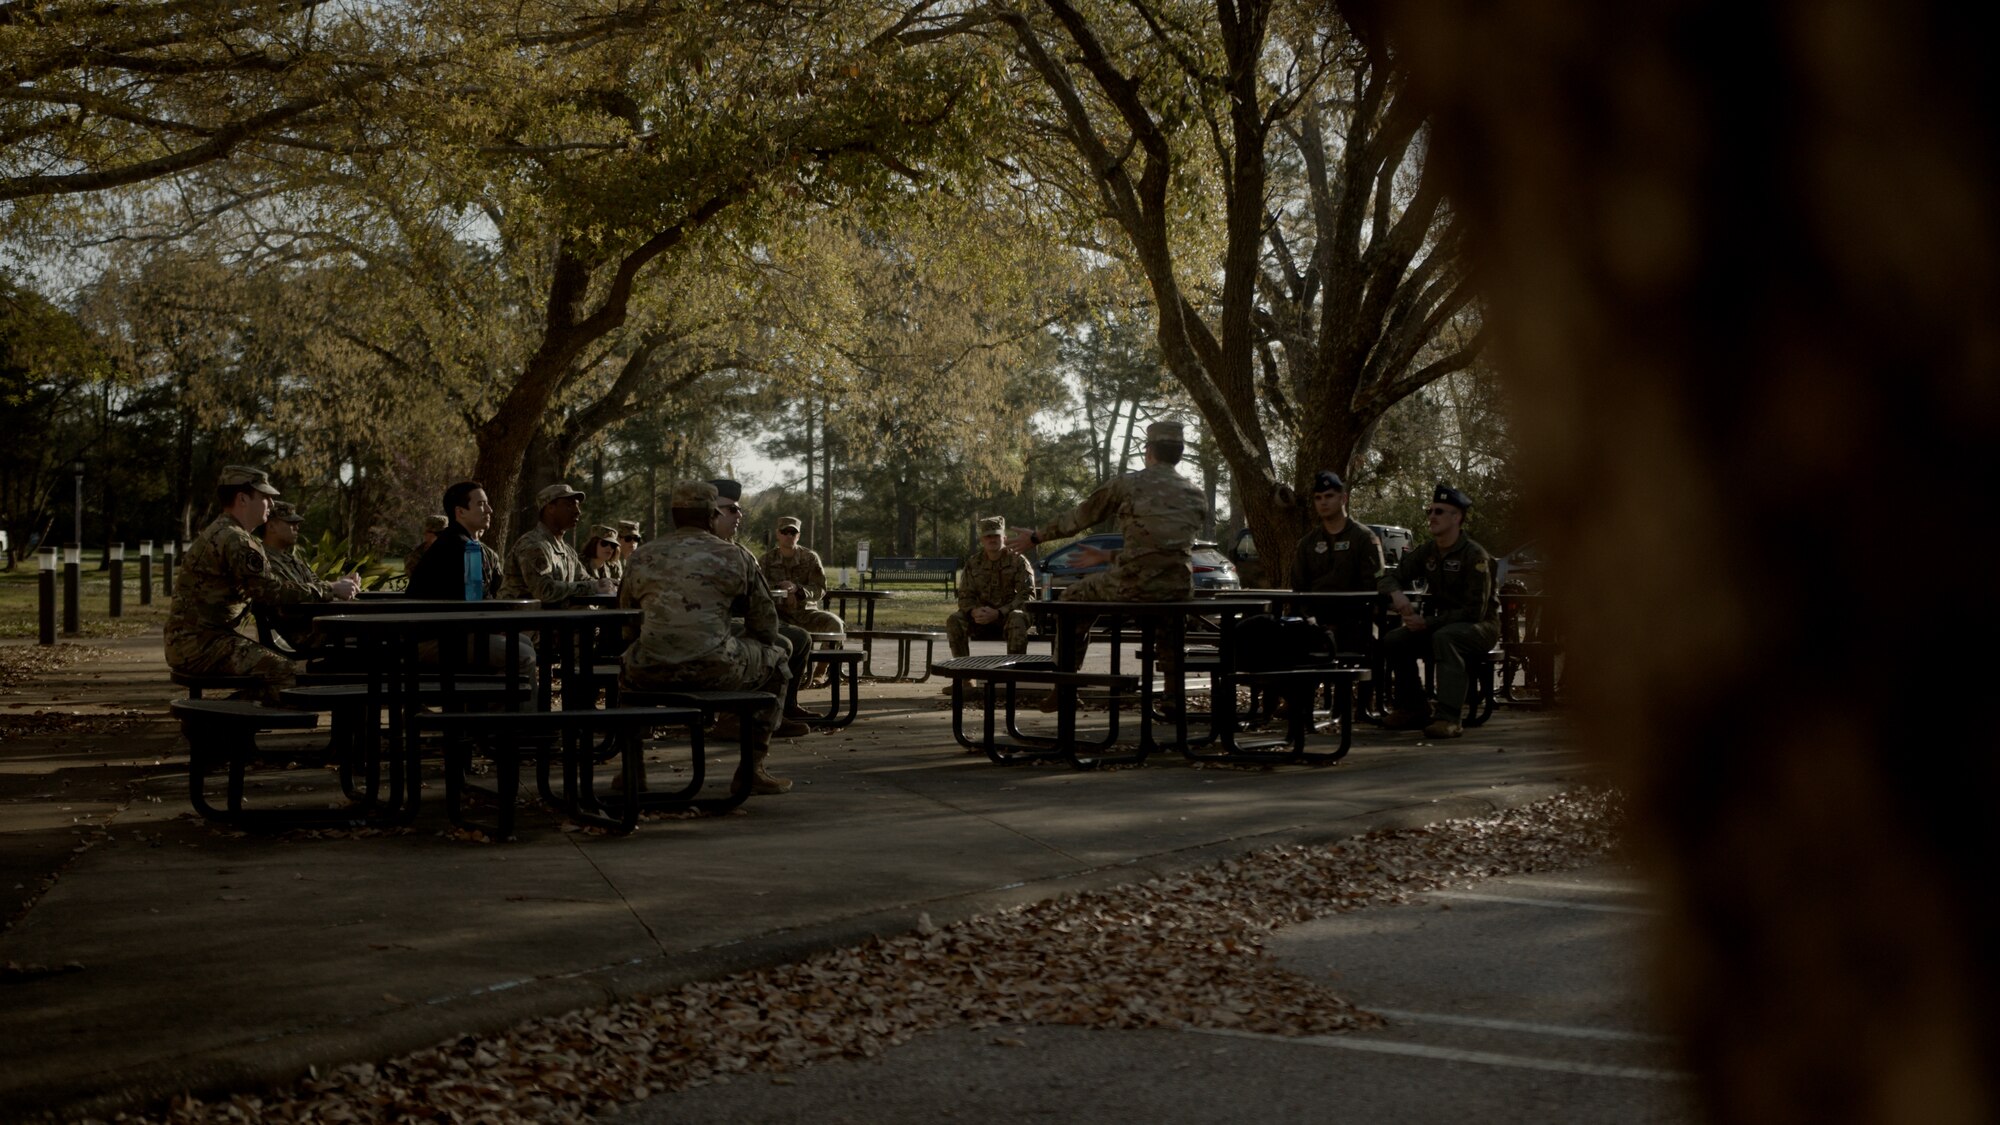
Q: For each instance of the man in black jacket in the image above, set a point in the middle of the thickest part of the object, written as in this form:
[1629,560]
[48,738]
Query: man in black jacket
[441,573]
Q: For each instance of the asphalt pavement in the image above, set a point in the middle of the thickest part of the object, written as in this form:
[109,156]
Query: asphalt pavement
[150,953]
[1510,1001]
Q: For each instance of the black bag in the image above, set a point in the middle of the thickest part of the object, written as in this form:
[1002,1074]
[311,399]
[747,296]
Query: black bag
[1268,644]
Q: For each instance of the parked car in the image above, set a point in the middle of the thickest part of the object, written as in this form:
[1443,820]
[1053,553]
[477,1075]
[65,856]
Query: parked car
[1520,570]
[1396,542]
[1212,569]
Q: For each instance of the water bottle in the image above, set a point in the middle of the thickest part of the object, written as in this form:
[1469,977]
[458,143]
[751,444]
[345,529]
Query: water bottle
[475,571]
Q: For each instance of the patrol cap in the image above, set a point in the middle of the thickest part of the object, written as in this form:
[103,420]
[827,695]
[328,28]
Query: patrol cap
[605,532]
[992,525]
[789,521]
[557,491]
[1446,494]
[1165,431]
[436,523]
[1326,480]
[233,475]
[693,495]
[283,510]
[628,527]
[726,489]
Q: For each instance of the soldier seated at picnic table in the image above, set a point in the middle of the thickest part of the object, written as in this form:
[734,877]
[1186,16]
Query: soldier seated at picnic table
[600,554]
[994,588]
[222,571]
[798,581]
[279,533]
[540,564]
[1339,555]
[1459,622]
[432,525]
[685,584]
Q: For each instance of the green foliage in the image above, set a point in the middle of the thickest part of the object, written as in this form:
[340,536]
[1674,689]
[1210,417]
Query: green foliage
[330,559]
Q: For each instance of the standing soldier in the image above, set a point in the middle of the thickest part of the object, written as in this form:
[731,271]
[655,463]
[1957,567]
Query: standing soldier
[685,584]
[798,581]
[223,569]
[541,565]
[1160,513]
[432,525]
[728,518]
[279,534]
[1340,555]
[992,591]
[1460,620]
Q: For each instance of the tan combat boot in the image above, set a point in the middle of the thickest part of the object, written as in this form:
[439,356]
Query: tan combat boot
[758,782]
[1443,726]
[1399,719]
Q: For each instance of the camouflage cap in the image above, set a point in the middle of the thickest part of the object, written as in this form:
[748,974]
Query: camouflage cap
[727,489]
[605,532]
[557,491]
[1446,494]
[789,521]
[283,510]
[628,527]
[993,525]
[256,478]
[1165,431]
[693,495]
[436,523]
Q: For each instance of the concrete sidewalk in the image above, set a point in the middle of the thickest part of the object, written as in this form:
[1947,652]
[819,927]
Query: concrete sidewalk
[167,955]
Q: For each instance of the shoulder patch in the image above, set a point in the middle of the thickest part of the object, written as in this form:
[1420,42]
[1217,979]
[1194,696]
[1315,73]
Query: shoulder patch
[1480,566]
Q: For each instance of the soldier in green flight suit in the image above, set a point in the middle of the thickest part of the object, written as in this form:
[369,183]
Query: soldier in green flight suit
[1459,622]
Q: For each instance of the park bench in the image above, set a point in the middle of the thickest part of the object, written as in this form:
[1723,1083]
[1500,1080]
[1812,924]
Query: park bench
[1011,672]
[1299,687]
[904,639]
[709,703]
[196,683]
[222,734]
[888,570]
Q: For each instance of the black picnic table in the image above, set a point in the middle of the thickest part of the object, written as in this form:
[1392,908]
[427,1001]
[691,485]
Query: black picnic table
[395,679]
[843,594]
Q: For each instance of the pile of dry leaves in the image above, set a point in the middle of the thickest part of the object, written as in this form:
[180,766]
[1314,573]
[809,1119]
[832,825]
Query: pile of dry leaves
[1172,952]
[20,663]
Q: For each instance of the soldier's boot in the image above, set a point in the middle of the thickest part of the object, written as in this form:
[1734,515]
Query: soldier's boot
[1444,724]
[756,781]
[790,728]
[1402,718]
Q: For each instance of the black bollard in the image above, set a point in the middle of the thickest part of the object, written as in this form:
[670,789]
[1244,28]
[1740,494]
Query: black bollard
[45,559]
[72,588]
[167,571]
[118,580]
[145,572]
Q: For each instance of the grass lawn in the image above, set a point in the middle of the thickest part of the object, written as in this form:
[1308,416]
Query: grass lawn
[20,602]
[909,609]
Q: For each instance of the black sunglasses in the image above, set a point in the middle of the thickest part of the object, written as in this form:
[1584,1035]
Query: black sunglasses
[628,539]
[788,531]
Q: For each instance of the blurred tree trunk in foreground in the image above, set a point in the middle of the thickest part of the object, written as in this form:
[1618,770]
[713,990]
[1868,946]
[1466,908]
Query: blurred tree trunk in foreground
[1741,264]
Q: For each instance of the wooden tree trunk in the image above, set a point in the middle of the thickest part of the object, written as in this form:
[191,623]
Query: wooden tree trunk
[1742,266]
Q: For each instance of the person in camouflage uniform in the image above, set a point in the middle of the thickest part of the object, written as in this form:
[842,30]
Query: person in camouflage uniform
[600,554]
[728,519]
[432,525]
[1340,554]
[798,581]
[220,573]
[279,533]
[992,589]
[1160,513]
[541,565]
[1460,619]
[686,584]
[628,542]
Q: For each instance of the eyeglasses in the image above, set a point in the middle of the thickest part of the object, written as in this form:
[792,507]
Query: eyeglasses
[1439,511]
[737,508]
[788,531]
[628,539]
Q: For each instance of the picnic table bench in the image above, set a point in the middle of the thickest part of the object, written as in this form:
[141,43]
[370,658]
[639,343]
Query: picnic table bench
[1013,671]
[913,569]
